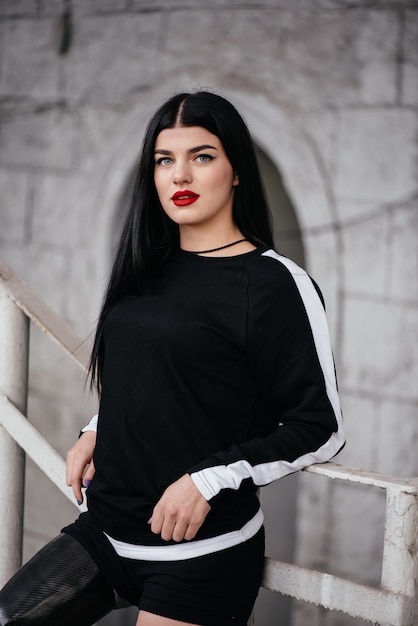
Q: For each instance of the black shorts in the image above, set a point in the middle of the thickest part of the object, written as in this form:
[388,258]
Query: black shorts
[217,589]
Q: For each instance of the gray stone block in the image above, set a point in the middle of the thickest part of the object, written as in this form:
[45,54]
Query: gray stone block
[379,347]
[100,129]
[30,58]
[13,206]
[42,139]
[409,66]
[61,204]
[12,8]
[377,155]
[366,254]
[402,281]
[342,57]
[361,426]
[50,8]
[89,7]
[396,423]
[113,57]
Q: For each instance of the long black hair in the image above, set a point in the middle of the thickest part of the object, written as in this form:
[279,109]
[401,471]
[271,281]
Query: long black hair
[149,236]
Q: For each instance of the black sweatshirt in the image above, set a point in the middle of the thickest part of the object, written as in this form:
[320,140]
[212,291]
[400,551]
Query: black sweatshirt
[222,369]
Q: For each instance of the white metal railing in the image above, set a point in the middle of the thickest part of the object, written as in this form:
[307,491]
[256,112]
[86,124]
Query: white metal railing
[394,603]
[19,305]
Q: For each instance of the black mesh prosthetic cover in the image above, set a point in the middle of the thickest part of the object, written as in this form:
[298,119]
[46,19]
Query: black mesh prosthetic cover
[60,586]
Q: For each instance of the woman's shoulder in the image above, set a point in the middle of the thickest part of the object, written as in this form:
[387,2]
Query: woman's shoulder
[271,266]
[271,274]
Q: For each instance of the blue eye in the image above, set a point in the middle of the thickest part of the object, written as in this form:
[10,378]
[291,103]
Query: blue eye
[164,161]
[204,158]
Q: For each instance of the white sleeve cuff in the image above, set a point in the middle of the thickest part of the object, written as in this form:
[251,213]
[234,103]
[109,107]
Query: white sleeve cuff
[92,425]
[202,485]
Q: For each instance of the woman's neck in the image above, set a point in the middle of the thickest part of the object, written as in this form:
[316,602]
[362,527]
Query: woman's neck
[215,244]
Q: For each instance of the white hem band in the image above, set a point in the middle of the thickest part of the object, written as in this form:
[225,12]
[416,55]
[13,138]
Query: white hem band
[190,549]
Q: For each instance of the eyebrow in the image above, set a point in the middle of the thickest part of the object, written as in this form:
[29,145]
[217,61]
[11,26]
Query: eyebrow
[192,150]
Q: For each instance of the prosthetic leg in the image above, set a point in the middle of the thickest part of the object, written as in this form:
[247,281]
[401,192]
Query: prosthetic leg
[61,585]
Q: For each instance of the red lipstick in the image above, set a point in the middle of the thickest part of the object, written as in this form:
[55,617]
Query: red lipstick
[184,198]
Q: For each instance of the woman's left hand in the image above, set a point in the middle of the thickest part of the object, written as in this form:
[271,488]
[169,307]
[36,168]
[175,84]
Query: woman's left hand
[180,512]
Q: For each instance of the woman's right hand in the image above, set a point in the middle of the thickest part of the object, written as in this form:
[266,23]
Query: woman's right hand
[80,467]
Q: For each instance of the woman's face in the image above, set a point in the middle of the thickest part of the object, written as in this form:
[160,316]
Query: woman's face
[194,179]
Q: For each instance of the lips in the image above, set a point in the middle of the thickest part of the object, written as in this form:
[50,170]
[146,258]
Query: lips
[184,198]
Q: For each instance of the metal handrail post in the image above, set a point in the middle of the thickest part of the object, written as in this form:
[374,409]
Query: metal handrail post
[14,352]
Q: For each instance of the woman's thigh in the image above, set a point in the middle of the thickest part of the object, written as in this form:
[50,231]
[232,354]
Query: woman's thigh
[150,619]
[61,585]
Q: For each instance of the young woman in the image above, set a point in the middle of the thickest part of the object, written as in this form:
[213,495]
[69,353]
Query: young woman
[215,374]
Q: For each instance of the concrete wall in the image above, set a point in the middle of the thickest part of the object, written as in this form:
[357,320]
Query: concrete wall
[330,91]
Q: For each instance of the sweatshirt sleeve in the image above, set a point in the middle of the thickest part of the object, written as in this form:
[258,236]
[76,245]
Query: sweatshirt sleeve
[289,353]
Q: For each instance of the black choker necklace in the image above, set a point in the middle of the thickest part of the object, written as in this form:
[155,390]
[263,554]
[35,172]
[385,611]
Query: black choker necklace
[228,245]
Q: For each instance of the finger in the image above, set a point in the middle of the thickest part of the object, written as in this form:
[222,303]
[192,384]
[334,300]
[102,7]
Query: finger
[156,522]
[179,531]
[73,478]
[75,466]
[191,531]
[162,524]
[77,491]
[88,475]
[168,529]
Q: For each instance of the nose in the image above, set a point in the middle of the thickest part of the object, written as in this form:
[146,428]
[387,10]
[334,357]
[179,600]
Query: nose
[182,173]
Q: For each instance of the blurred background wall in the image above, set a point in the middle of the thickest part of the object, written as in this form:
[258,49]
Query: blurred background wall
[329,89]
